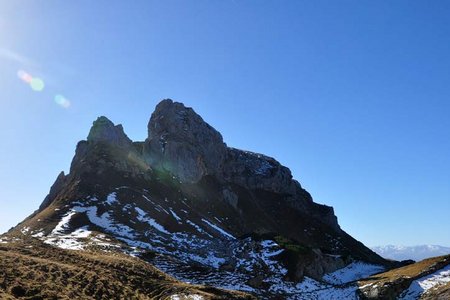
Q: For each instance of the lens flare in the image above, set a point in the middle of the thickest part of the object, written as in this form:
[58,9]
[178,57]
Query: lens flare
[37,84]
[24,76]
[62,101]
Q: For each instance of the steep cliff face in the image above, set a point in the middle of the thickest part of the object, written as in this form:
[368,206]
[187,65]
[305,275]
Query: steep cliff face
[195,208]
[187,147]
[180,142]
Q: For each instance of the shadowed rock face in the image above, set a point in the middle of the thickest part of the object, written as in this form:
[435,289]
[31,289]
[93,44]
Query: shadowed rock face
[257,171]
[183,144]
[54,190]
[179,141]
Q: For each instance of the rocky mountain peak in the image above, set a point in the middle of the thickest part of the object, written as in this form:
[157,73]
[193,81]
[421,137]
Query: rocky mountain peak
[181,123]
[181,142]
[185,147]
[103,130]
[182,200]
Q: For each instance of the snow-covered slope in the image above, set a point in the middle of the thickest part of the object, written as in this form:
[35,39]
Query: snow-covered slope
[191,248]
[411,252]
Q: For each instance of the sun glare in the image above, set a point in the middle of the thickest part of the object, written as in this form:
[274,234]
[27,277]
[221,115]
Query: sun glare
[36,84]
[62,101]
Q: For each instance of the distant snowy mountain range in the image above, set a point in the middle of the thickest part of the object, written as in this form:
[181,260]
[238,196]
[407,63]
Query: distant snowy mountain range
[411,252]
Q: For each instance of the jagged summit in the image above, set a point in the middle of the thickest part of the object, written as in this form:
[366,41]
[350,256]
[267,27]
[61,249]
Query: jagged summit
[183,200]
[181,122]
[181,142]
[103,130]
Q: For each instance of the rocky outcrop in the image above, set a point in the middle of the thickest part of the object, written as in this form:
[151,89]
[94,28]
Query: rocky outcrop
[108,147]
[257,171]
[180,142]
[103,130]
[315,264]
[54,190]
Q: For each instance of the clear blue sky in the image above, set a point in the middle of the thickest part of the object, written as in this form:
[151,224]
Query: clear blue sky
[353,96]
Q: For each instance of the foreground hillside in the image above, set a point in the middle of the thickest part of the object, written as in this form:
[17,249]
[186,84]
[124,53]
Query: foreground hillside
[30,269]
[107,269]
[427,279]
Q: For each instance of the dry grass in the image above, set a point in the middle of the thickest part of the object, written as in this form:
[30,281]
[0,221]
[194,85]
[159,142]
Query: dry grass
[390,284]
[32,270]
[415,270]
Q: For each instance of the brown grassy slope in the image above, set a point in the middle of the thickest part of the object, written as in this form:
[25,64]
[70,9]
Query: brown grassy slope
[390,284]
[32,270]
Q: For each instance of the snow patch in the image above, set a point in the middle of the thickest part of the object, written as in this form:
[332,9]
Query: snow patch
[70,241]
[270,250]
[217,228]
[142,216]
[175,216]
[105,221]
[63,223]
[352,272]
[25,230]
[198,228]
[186,297]
[423,284]
[112,198]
